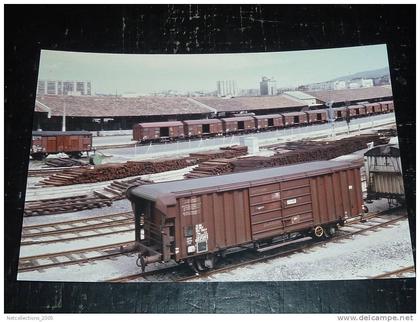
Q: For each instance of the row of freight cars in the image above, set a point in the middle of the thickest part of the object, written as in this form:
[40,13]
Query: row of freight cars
[74,143]
[176,130]
[197,220]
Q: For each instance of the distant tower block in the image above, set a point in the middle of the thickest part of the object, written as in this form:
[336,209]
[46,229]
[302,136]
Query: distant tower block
[268,86]
[226,88]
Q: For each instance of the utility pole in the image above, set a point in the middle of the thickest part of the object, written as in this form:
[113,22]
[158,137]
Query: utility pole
[64,116]
[331,118]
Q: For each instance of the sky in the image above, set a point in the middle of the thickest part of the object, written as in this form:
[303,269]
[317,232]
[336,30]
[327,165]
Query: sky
[122,73]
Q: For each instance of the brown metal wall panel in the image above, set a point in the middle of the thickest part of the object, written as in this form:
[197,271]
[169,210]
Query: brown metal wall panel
[336,196]
[224,215]
[265,207]
[55,144]
[264,217]
[220,241]
[338,201]
[264,189]
[273,196]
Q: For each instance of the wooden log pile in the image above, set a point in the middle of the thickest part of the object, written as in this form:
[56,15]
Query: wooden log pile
[62,205]
[108,172]
[223,153]
[211,168]
[307,152]
[63,162]
[99,198]
[116,190]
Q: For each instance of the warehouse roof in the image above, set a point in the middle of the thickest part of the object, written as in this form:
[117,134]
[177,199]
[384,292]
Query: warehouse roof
[236,180]
[111,106]
[199,122]
[359,94]
[299,95]
[249,103]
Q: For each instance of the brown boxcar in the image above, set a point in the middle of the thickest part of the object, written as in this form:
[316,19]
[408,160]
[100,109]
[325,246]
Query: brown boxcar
[184,220]
[72,143]
[340,113]
[238,124]
[373,108]
[356,110]
[387,106]
[317,116]
[268,121]
[155,131]
[202,127]
[294,118]
[391,106]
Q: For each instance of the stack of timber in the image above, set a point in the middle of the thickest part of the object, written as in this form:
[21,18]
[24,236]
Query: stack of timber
[211,168]
[63,162]
[116,190]
[108,172]
[308,151]
[223,153]
[62,205]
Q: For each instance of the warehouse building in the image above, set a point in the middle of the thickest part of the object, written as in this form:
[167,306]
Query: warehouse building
[96,113]
[353,96]
[258,105]
[105,113]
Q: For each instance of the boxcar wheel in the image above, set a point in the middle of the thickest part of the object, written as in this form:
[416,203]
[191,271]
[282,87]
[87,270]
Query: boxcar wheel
[76,155]
[318,232]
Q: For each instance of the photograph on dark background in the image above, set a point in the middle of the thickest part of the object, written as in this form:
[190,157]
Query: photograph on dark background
[281,166]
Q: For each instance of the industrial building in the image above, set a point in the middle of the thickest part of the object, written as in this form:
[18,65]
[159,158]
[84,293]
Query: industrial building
[96,113]
[353,96]
[268,86]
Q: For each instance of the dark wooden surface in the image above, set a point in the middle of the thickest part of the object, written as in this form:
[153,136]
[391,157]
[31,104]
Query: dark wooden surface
[179,29]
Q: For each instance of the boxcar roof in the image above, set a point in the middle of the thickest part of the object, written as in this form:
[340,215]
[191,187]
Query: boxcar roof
[55,133]
[293,113]
[259,117]
[236,180]
[316,111]
[238,118]
[161,124]
[204,121]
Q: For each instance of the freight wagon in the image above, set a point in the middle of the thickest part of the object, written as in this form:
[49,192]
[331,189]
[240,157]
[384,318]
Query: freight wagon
[356,111]
[199,128]
[238,124]
[387,106]
[340,113]
[158,131]
[295,118]
[196,220]
[73,143]
[317,116]
[263,122]
[384,173]
[373,108]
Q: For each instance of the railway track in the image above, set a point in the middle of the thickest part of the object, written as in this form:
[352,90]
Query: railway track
[172,272]
[241,259]
[73,257]
[77,229]
[397,273]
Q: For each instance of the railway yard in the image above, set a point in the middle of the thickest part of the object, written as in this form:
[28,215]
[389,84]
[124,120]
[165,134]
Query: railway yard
[79,226]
